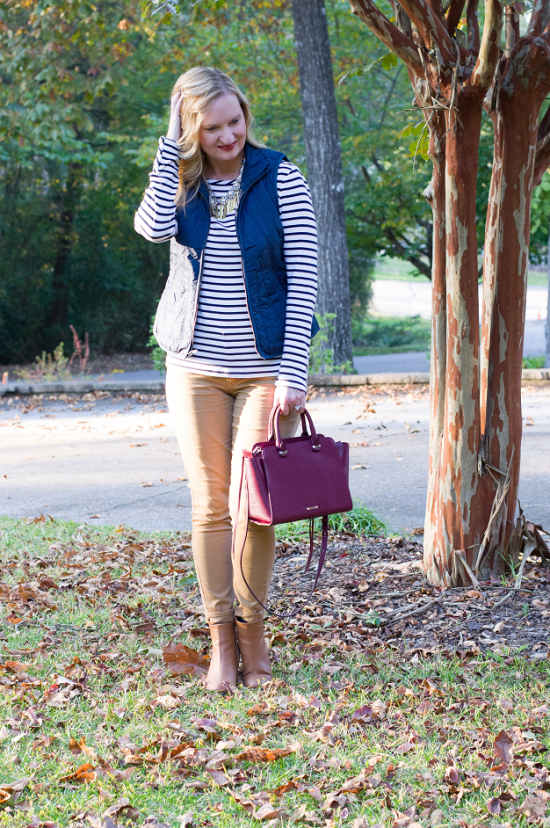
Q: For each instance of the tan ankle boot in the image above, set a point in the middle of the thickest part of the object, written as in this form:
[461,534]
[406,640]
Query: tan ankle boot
[224,662]
[255,658]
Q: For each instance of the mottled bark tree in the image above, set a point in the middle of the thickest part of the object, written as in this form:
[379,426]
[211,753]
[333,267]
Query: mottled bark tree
[324,167]
[475,432]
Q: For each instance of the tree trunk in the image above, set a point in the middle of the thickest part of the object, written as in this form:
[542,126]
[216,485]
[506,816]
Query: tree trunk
[515,119]
[324,167]
[435,195]
[454,506]
[65,240]
[475,439]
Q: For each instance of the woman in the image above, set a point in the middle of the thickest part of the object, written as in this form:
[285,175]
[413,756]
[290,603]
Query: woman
[236,319]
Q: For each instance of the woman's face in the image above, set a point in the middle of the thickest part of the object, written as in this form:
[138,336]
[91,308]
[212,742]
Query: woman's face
[222,134]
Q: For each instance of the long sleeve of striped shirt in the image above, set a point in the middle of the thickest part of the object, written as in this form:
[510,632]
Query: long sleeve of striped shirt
[223,342]
[300,246]
[156,216]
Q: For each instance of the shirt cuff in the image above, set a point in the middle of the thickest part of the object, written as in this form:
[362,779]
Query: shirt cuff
[296,383]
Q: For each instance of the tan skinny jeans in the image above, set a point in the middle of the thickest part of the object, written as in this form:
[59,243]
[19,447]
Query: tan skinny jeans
[214,419]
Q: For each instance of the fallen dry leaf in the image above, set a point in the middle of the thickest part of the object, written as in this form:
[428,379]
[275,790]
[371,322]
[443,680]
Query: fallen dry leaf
[358,783]
[168,702]
[180,659]
[12,790]
[122,808]
[503,747]
[256,754]
[218,777]
[493,805]
[80,746]
[533,807]
[85,773]
[268,811]
[15,666]
[405,748]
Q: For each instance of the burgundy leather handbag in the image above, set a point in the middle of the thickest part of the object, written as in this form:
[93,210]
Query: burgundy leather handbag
[300,478]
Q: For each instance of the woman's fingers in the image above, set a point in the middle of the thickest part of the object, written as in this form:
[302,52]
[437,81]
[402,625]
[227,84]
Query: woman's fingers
[289,399]
[174,127]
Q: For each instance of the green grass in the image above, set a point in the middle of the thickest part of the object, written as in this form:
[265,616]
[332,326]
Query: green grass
[390,334]
[435,713]
[397,269]
[360,521]
[533,362]
[402,271]
[536,277]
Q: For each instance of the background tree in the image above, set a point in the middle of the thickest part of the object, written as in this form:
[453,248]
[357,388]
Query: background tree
[324,163]
[475,436]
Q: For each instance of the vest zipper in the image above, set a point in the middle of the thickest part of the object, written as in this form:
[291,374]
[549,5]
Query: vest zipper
[244,279]
[192,350]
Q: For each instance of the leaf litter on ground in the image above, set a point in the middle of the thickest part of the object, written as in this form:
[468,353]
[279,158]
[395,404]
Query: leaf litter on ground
[388,707]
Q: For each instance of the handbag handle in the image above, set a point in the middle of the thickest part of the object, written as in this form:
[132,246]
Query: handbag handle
[275,426]
[271,426]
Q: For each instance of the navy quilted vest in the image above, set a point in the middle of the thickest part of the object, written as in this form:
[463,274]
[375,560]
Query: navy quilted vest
[260,234]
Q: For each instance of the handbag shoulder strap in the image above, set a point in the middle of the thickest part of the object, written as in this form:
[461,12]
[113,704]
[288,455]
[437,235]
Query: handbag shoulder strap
[322,554]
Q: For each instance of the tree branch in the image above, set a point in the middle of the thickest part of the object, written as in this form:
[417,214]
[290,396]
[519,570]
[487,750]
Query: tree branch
[473,26]
[389,34]
[432,28]
[511,30]
[454,14]
[489,50]
[424,268]
[540,18]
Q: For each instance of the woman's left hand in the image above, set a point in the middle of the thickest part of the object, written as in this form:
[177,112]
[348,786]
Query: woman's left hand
[289,399]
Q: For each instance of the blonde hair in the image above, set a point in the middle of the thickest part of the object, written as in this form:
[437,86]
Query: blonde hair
[199,87]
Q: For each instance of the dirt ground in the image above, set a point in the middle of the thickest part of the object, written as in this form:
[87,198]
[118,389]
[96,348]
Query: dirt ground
[377,593]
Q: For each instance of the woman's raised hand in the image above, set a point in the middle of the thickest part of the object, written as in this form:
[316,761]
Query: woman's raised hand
[174,127]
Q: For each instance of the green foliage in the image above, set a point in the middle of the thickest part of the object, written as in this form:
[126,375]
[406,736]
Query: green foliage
[421,143]
[83,99]
[533,362]
[321,355]
[387,334]
[359,521]
[387,62]
[158,355]
[540,220]
[48,367]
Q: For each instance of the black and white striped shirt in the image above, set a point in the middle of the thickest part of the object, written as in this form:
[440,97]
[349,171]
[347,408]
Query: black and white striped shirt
[223,339]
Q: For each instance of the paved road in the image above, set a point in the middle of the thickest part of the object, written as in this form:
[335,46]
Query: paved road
[116,460]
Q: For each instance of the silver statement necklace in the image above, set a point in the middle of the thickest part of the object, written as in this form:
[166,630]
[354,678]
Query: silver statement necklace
[221,206]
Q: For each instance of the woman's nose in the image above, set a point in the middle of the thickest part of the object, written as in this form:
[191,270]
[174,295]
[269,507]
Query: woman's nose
[227,136]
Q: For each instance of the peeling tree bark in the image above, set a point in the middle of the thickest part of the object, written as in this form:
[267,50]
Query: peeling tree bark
[524,84]
[435,194]
[475,432]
